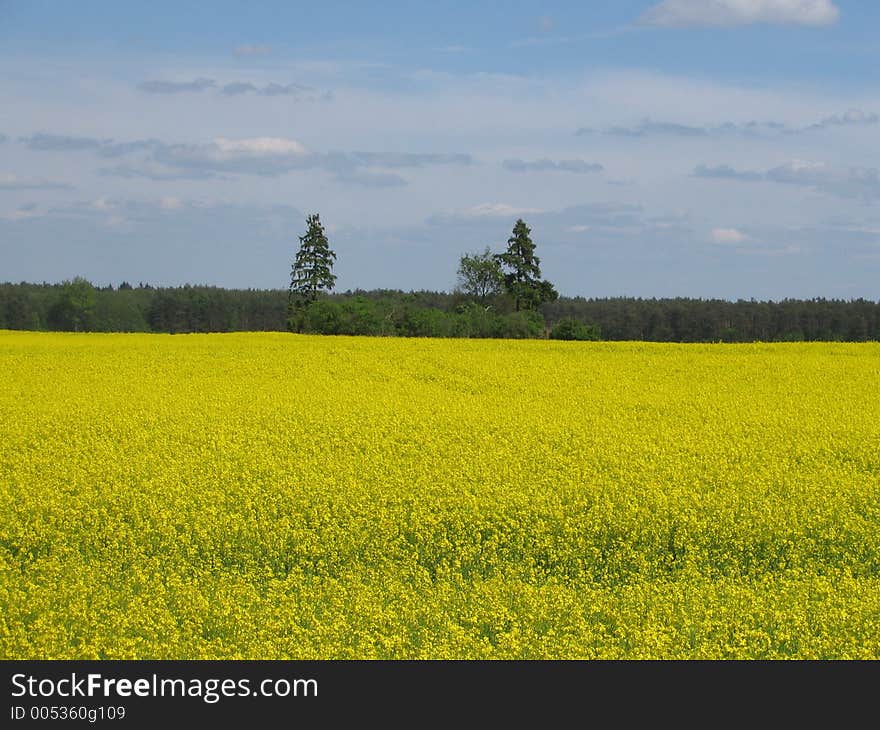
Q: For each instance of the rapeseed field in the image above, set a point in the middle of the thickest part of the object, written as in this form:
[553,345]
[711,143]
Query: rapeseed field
[287,496]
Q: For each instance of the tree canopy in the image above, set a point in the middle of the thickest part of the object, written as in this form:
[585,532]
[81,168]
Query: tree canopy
[480,276]
[75,307]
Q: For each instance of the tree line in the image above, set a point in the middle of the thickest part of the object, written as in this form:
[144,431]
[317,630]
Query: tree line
[143,308]
[496,295]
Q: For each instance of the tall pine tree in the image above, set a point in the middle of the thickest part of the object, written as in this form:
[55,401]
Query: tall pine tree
[312,269]
[522,276]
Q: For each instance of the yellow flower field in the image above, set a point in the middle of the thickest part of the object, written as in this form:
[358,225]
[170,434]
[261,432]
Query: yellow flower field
[286,496]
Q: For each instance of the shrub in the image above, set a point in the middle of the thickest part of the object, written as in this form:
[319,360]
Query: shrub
[569,328]
[522,325]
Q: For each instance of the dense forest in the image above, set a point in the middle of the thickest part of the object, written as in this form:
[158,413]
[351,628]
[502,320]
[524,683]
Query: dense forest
[79,306]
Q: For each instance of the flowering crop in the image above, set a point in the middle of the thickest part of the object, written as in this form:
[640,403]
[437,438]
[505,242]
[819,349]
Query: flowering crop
[286,496]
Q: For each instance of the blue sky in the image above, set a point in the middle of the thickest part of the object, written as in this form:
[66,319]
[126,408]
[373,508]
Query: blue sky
[677,148]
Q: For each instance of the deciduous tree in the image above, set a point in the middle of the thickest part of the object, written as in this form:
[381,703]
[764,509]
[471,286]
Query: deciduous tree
[74,310]
[480,276]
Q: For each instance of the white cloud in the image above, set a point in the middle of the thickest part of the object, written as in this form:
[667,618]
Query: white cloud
[861,183]
[177,87]
[544,164]
[252,50]
[869,230]
[259,146]
[372,179]
[116,221]
[396,160]
[14,182]
[256,155]
[800,172]
[751,128]
[498,210]
[727,236]
[852,116]
[103,204]
[151,170]
[731,13]
[234,88]
[22,213]
[223,156]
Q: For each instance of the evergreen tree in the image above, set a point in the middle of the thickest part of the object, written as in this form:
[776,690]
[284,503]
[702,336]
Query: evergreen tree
[522,278]
[312,270]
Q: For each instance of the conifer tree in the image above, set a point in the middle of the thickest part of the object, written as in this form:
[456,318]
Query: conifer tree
[312,269]
[522,278]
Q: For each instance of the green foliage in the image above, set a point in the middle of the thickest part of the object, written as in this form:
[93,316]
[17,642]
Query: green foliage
[426,323]
[322,316]
[211,309]
[478,321]
[24,306]
[312,269]
[74,309]
[522,325]
[522,278]
[569,328]
[480,275]
[362,316]
[119,311]
[358,316]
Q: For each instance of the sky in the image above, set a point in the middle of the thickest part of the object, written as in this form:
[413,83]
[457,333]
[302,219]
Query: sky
[702,148]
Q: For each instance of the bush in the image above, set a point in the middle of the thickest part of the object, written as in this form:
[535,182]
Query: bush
[321,318]
[522,325]
[475,320]
[569,328]
[361,316]
[356,316]
[418,322]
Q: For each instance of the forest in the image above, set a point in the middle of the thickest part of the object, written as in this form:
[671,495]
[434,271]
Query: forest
[79,306]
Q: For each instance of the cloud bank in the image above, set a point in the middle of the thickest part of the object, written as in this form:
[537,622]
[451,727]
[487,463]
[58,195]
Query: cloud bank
[848,182]
[176,87]
[264,156]
[232,88]
[650,127]
[733,13]
[725,236]
[13,182]
[43,142]
[237,88]
[543,165]
[252,50]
